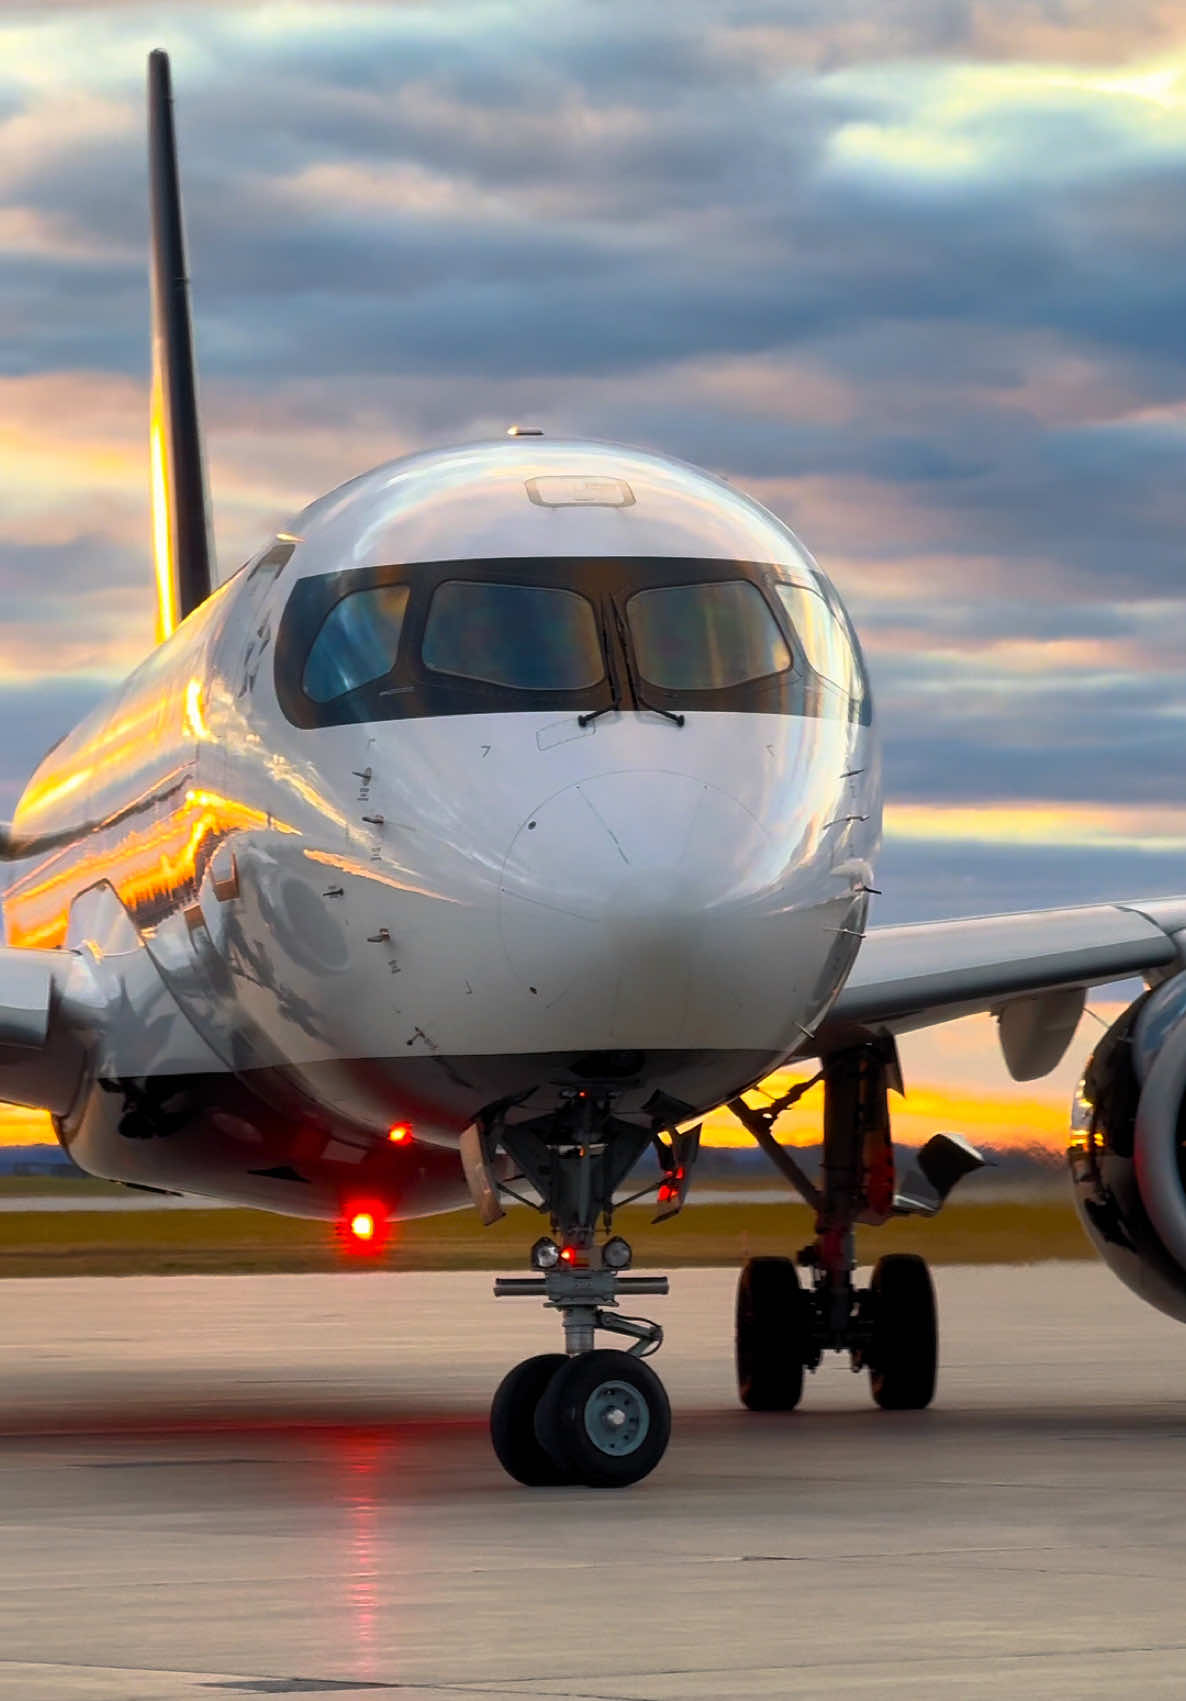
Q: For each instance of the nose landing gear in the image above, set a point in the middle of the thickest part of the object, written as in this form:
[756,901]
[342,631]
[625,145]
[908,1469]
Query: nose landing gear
[593,1416]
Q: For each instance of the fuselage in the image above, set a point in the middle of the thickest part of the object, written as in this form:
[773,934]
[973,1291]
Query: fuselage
[506,769]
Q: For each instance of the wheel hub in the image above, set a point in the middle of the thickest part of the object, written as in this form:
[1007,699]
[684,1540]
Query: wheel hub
[617,1420]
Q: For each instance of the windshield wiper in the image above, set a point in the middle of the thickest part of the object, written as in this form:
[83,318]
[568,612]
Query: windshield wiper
[641,700]
[596,714]
[657,708]
[615,696]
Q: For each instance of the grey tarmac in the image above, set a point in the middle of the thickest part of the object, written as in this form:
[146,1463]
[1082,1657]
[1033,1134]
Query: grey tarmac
[282,1485]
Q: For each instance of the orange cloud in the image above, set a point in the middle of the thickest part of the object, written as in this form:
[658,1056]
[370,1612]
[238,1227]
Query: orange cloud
[1024,823]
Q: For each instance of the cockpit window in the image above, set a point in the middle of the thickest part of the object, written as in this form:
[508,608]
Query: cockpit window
[526,637]
[822,635]
[578,635]
[358,642]
[705,637]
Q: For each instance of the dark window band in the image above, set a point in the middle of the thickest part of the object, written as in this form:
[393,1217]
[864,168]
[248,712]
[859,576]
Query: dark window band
[570,632]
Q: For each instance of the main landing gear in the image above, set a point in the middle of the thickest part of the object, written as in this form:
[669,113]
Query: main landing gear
[890,1328]
[590,1415]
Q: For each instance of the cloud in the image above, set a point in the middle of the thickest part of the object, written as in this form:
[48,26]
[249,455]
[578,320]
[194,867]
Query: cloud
[911,274]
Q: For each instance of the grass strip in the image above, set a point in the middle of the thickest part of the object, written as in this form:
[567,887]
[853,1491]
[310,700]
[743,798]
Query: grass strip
[71,1243]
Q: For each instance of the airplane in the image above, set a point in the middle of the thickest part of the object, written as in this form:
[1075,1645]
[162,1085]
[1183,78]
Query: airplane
[511,809]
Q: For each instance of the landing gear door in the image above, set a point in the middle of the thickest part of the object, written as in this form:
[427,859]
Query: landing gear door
[685,1148]
[479,1175]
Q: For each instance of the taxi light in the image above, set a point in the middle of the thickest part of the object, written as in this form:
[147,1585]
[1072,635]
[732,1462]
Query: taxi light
[545,1254]
[399,1133]
[616,1253]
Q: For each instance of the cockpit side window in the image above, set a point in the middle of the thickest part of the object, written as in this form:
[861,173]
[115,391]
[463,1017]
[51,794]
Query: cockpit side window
[523,637]
[819,622]
[705,637]
[358,642]
[824,640]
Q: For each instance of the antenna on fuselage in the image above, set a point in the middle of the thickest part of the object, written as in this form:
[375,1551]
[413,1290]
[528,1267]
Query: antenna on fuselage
[180,510]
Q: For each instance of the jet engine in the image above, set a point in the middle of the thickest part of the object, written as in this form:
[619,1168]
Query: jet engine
[1128,1148]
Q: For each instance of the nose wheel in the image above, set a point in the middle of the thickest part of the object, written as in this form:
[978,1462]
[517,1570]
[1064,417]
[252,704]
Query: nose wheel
[604,1419]
[512,1423]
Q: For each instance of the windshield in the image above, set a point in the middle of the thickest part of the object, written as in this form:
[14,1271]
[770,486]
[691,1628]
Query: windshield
[581,635]
[527,637]
[705,637]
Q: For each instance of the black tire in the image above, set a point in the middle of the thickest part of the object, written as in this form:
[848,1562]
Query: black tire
[772,1344]
[512,1422]
[605,1419]
[903,1354]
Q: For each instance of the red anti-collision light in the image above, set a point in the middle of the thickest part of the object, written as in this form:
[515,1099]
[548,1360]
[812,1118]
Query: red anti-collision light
[364,1228]
[399,1133]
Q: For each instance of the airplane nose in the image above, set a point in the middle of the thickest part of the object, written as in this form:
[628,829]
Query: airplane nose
[618,892]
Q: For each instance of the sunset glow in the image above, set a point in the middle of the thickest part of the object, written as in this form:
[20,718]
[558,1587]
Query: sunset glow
[912,279]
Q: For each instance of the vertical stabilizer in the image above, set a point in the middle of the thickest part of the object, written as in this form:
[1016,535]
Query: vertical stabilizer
[180,515]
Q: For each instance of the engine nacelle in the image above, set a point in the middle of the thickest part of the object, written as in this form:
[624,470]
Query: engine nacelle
[1127,1154]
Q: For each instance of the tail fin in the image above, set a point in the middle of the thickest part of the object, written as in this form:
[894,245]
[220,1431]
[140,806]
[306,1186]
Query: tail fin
[180,514]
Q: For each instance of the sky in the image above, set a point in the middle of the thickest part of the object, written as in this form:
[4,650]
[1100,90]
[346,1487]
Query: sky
[912,272]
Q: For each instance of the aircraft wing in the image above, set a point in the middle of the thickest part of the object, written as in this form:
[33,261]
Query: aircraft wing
[1031,970]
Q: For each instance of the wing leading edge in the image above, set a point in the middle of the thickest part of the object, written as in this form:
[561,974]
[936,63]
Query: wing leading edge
[1031,970]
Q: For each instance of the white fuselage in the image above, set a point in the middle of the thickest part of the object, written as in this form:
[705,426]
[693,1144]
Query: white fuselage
[369,913]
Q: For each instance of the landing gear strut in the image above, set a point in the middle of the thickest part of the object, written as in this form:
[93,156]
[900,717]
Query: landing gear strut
[589,1415]
[890,1328]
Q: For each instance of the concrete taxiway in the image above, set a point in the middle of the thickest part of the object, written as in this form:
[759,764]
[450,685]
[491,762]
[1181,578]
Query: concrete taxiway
[221,1486]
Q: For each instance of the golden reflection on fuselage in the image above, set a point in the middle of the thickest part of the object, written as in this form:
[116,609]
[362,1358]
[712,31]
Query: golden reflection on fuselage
[302,787]
[125,798]
[360,871]
[99,749]
[195,719]
[160,863]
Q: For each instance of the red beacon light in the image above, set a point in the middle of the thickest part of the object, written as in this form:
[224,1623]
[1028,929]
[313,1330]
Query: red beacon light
[400,1134]
[364,1228]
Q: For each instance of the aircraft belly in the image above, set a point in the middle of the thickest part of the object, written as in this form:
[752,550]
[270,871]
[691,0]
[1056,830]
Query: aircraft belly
[268,1139]
[255,1142]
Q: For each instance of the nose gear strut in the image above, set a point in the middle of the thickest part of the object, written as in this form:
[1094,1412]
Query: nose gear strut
[596,1416]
